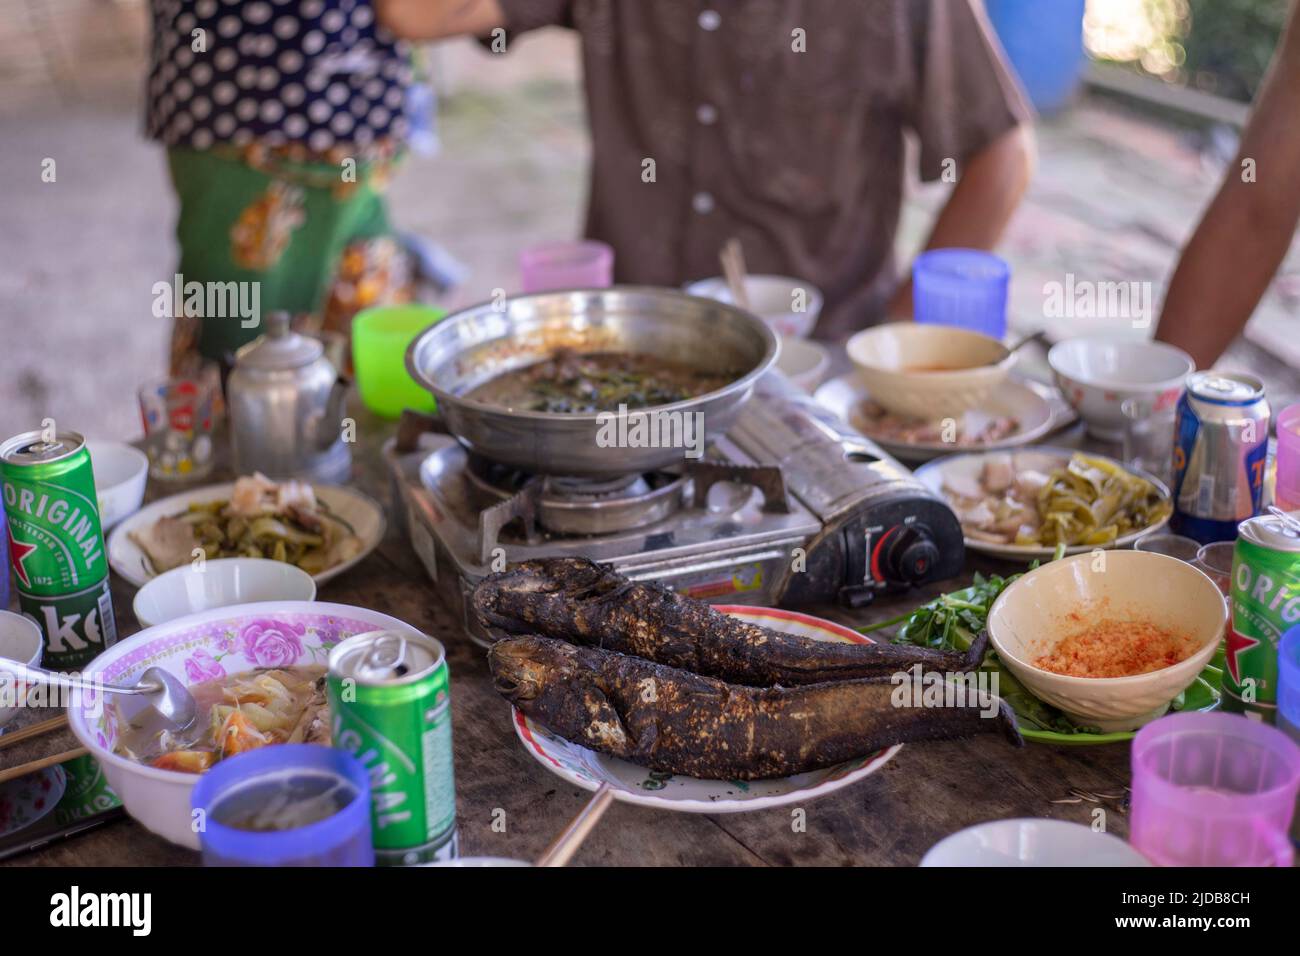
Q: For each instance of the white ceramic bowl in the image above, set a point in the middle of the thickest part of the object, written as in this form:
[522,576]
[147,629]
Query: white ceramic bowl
[20,640]
[1097,373]
[1032,842]
[198,648]
[121,473]
[803,362]
[221,582]
[772,299]
[1032,615]
[928,371]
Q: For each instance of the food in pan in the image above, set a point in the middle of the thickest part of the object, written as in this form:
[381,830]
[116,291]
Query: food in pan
[236,713]
[577,600]
[1085,501]
[674,721]
[262,519]
[970,430]
[1111,647]
[579,383]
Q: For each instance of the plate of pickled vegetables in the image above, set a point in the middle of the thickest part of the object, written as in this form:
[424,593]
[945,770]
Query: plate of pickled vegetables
[1020,505]
[323,529]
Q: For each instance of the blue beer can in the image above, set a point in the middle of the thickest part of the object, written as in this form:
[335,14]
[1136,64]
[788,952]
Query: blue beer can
[1220,454]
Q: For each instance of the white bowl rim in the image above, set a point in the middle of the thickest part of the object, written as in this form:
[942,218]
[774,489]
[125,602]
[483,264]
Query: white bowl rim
[1053,356]
[188,568]
[1047,824]
[136,455]
[34,658]
[1104,682]
[76,716]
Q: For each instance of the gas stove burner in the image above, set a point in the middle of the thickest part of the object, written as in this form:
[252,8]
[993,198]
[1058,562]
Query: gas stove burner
[579,506]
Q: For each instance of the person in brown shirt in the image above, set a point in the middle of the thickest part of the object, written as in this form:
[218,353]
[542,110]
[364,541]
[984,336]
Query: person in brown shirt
[779,122]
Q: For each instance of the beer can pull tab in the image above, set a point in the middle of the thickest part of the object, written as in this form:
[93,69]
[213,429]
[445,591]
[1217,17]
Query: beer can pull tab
[1289,521]
[385,658]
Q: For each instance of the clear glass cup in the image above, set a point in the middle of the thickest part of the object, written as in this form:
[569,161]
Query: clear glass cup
[1173,545]
[1149,436]
[584,264]
[1216,561]
[179,416]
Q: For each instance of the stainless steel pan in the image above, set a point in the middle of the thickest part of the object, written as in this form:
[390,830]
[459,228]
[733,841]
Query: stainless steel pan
[477,344]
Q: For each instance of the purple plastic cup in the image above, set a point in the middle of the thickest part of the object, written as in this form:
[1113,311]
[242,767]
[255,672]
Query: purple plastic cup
[966,288]
[1287,493]
[1213,790]
[585,264]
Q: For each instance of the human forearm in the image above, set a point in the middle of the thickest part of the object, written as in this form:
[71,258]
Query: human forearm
[1245,233]
[436,19]
[986,194]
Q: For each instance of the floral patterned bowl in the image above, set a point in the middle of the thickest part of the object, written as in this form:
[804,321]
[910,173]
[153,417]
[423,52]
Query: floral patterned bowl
[197,648]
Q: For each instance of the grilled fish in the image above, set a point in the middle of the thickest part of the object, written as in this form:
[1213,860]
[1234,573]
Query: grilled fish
[577,600]
[678,722]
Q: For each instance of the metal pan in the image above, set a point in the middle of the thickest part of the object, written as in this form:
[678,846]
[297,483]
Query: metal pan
[477,344]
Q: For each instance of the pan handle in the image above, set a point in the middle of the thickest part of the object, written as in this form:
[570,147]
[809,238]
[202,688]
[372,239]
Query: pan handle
[413,424]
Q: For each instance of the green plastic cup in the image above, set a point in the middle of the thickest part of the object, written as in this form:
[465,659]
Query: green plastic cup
[380,337]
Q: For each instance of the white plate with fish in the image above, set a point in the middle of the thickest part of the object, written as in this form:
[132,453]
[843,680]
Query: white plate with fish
[633,783]
[1018,504]
[350,524]
[1017,413]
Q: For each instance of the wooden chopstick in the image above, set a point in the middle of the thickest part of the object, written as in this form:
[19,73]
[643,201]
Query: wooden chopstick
[732,258]
[35,730]
[566,844]
[32,766]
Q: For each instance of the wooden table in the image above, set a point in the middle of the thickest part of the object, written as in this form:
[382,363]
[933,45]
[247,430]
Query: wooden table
[889,818]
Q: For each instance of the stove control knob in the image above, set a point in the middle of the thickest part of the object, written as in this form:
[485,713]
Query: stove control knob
[909,555]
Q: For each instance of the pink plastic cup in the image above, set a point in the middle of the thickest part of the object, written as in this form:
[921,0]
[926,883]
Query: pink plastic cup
[1287,489]
[567,265]
[1213,790]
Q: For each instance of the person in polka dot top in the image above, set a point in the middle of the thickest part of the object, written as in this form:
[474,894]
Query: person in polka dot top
[282,120]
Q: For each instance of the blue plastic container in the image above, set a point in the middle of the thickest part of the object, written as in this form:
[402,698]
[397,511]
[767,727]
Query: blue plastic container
[966,288]
[342,839]
[1288,683]
[1043,40]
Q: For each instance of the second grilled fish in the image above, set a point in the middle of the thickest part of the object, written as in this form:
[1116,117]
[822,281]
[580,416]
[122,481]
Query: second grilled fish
[677,722]
[577,600]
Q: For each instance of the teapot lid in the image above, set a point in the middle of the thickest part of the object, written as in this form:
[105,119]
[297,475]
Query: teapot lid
[279,348]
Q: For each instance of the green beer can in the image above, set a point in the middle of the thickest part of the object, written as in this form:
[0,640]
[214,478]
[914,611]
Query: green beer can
[1265,604]
[390,707]
[57,544]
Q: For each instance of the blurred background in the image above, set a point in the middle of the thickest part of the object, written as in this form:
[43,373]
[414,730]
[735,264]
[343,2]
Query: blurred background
[1141,102]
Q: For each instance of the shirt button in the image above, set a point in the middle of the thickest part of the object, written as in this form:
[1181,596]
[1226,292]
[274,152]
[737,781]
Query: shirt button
[709,20]
[706,114]
[702,203]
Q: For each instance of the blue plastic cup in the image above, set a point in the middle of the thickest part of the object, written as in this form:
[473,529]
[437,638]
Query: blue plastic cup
[340,839]
[966,288]
[1288,683]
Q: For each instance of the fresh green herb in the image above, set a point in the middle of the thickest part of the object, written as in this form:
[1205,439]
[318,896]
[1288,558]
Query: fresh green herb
[952,621]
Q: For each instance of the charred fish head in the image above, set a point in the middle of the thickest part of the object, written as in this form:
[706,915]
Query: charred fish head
[522,667]
[507,601]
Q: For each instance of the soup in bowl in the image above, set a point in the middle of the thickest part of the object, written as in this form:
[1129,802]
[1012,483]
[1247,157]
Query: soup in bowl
[287,642]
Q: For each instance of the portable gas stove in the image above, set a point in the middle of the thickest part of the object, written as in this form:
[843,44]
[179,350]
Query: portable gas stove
[791,507]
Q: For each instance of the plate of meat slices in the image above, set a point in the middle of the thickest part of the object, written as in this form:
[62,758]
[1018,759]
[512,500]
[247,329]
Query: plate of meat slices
[323,529]
[1017,413]
[775,707]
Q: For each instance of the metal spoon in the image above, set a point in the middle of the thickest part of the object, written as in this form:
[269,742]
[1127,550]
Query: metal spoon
[161,690]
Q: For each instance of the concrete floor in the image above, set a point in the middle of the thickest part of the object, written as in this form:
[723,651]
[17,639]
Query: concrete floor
[1114,198]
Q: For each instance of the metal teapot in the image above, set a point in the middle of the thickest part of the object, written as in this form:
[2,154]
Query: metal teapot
[286,407]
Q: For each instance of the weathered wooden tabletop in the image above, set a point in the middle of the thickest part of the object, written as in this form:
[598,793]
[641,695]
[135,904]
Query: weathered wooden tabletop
[891,817]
